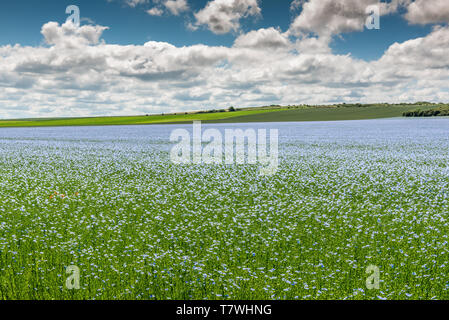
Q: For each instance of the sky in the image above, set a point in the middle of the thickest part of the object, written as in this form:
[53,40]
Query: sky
[131,57]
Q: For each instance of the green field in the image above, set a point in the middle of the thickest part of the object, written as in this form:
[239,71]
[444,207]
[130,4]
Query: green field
[325,114]
[347,196]
[266,114]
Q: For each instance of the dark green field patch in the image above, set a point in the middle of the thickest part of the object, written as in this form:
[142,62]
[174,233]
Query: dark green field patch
[325,114]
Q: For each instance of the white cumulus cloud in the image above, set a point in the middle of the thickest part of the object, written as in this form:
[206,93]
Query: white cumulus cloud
[270,38]
[176,6]
[223,16]
[428,12]
[330,17]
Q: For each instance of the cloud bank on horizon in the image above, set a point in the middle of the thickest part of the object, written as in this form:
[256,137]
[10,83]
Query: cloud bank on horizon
[76,73]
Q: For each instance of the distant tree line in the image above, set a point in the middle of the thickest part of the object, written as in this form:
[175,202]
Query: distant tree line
[230,109]
[442,111]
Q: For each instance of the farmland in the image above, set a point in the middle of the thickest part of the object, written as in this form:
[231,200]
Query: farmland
[259,114]
[108,200]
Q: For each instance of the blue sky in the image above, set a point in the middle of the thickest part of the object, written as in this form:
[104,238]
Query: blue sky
[201,54]
[130,25]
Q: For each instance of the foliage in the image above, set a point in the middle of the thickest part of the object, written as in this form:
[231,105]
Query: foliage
[441,111]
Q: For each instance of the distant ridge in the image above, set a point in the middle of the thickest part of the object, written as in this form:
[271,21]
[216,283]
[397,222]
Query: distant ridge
[273,113]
